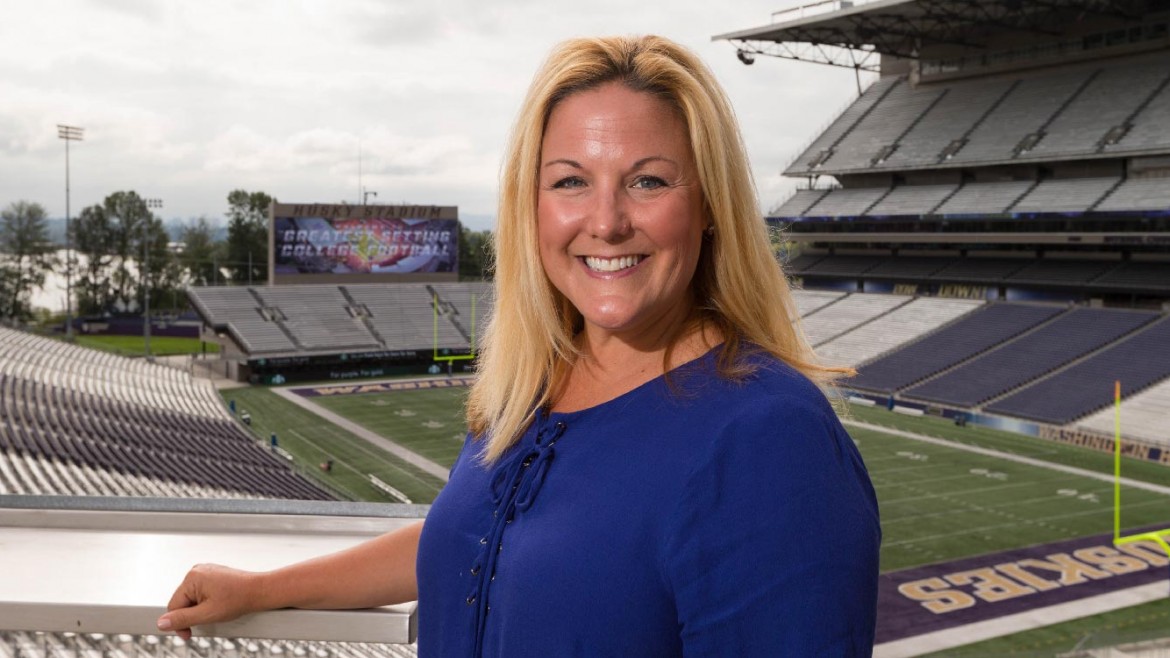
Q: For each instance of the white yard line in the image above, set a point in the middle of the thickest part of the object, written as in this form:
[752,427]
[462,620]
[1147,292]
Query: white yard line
[1042,522]
[1020,459]
[962,492]
[402,453]
[1022,621]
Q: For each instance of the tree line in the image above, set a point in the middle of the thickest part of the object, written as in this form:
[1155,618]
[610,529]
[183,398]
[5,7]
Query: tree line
[112,239]
[123,251]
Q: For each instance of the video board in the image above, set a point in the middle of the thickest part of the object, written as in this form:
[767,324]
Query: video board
[313,243]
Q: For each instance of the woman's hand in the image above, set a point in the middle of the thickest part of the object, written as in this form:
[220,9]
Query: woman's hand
[211,593]
[377,572]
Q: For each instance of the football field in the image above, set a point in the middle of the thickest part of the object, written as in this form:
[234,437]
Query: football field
[940,500]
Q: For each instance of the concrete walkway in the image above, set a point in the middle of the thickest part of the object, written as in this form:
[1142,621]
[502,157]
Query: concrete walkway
[402,453]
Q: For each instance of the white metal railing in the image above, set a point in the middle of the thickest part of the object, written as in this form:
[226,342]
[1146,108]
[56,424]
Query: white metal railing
[815,9]
[109,565]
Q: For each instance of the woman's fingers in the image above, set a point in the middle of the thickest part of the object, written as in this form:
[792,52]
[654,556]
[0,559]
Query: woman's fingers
[209,593]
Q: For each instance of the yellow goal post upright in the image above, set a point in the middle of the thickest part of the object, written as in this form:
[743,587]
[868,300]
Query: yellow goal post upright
[1158,536]
[448,359]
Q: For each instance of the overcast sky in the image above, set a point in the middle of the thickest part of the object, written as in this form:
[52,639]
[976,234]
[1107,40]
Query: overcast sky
[186,101]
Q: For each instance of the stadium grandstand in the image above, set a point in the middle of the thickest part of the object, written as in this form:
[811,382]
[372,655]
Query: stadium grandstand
[328,331]
[1011,153]
[78,424]
[76,421]
[983,234]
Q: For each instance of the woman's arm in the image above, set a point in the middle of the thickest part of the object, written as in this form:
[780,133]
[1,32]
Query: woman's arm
[775,541]
[374,573]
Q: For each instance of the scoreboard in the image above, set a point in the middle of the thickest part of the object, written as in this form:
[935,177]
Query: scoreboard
[340,243]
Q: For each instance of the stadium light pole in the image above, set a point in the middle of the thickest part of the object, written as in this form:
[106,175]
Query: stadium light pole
[150,203]
[69,134]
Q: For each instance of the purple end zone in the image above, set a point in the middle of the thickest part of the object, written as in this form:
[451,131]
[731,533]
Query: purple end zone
[945,595]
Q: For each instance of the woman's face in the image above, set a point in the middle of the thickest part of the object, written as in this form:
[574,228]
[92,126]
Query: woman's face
[620,210]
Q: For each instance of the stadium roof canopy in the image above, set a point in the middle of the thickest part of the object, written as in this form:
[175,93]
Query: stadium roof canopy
[854,33]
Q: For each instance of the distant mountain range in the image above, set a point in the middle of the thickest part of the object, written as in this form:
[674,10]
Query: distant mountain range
[174,229]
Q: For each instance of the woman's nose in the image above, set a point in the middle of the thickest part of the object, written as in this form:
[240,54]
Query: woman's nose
[609,216]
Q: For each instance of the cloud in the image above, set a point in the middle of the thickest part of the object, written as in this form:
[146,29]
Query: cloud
[383,153]
[194,99]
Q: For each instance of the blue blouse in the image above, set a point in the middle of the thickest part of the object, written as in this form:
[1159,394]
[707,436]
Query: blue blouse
[689,517]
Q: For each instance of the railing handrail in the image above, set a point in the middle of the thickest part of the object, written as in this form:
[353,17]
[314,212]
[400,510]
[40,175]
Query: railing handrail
[130,553]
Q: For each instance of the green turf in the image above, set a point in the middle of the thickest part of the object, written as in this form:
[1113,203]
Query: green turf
[136,345]
[937,503]
[1051,451]
[312,440]
[427,421]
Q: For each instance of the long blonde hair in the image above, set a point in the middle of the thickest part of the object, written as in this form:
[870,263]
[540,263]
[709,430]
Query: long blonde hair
[528,342]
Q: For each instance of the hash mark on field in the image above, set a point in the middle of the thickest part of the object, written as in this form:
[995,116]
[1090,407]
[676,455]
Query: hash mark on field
[1047,498]
[988,452]
[960,492]
[945,478]
[1042,522]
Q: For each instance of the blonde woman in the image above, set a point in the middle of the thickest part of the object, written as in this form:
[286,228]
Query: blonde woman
[652,469]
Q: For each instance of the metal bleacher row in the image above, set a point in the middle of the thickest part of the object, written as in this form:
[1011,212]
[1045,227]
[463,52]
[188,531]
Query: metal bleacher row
[1145,415]
[852,329]
[1106,109]
[82,422]
[1058,195]
[1088,273]
[1114,107]
[330,318]
[19,644]
[1040,362]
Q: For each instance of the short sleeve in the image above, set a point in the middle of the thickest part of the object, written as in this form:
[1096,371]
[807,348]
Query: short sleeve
[773,547]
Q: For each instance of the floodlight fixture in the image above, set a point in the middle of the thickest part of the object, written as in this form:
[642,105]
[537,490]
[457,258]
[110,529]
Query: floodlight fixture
[69,134]
[157,204]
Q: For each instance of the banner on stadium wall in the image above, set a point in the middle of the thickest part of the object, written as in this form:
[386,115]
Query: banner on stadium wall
[323,239]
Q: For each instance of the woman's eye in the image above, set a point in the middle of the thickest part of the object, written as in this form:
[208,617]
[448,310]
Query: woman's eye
[568,183]
[649,183]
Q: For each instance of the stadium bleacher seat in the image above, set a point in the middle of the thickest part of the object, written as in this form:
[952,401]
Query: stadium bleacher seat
[848,313]
[1143,416]
[1138,194]
[846,202]
[1061,272]
[1070,336]
[912,200]
[1065,195]
[1088,385]
[799,203]
[314,319]
[973,334]
[79,421]
[1031,115]
[984,198]
[900,326]
[844,122]
[809,301]
[1139,275]
[1108,101]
